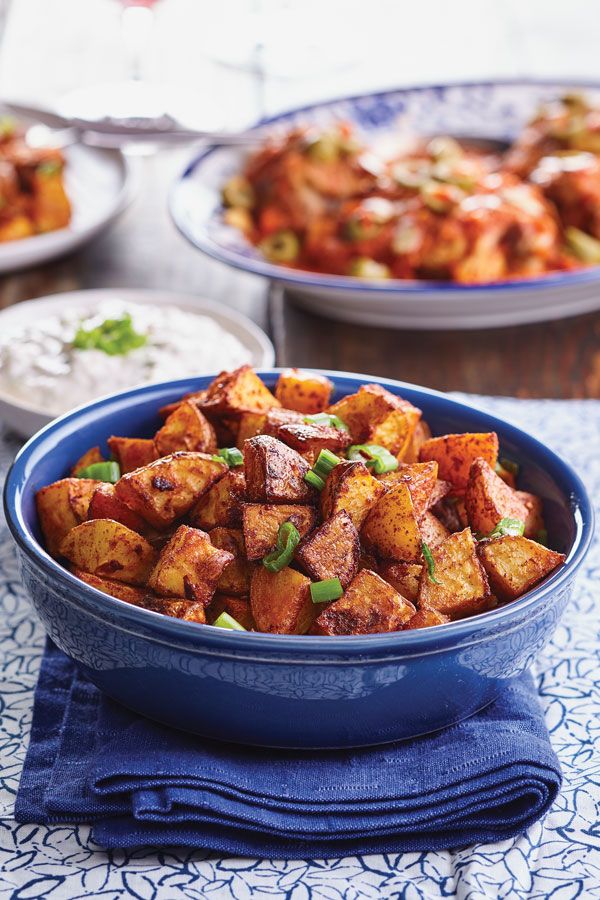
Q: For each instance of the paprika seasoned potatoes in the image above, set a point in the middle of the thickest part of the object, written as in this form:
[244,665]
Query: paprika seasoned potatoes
[289,514]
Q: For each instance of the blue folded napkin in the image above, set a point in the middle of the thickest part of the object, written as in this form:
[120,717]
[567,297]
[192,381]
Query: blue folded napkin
[139,783]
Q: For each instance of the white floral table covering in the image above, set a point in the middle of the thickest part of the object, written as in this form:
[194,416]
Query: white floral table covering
[559,858]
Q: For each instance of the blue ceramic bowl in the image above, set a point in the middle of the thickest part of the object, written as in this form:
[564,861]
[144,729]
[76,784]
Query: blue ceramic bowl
[284,690]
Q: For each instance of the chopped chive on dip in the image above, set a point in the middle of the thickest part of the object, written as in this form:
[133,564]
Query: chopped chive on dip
[227,621]
[101,471]
[231,455]
[507,526]
[326,590]
[288,538]
[430,563]
[115,337]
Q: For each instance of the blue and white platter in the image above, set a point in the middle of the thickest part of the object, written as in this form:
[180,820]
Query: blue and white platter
[486,109]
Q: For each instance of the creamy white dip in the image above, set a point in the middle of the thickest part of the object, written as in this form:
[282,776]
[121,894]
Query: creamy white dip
[40,367]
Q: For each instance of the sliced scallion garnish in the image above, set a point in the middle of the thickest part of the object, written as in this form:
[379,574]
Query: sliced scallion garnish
[314,480]
[227,621]
[288,538]
[375,457]
[323,418]
[430,562]
[101,471]
[326,590]
[511,527]
[231,455]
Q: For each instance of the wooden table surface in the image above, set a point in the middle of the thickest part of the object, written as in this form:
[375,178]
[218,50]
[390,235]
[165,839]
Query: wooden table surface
[555,359]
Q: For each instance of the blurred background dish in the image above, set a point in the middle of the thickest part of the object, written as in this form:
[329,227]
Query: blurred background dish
[61,351]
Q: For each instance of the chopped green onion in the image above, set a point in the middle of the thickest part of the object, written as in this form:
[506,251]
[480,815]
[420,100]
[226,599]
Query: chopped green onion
[513,527]
[49,168]
[323,418]
[374,456]
[325,462]
[509,465]
[227,621]
[288,538]
[231,455]
[429,560]
[328,589]
[542,536]
[314,480]
[115,337]
[101,471]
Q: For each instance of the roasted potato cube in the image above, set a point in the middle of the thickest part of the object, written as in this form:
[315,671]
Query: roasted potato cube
[51,207]
[463,588]
[235,578]
[189,566]
[234,393]
[274,472]
[391,528]
[186,429]
[281,601]
[350,487]
[314,438]
[455,454]
[109,549]
[534,521]
[91,456]
[332,551]
[132,453]
[420,479]
[237,607]
[433,532]
[61,506]
[421,434]
[169,487]
[126,592]
[106,505]
[369,606]
[515,564]
[269,423]
[376,416]
[187,610]
[307,392]
[251,424]
[221,505]
[488,499]
[261,523]
[426,618]
[403,577]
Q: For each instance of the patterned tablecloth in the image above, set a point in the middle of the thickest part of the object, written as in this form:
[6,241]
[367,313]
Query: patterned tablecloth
[559,858]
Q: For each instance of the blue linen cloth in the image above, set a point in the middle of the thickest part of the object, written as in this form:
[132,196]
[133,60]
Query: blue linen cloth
[141,784]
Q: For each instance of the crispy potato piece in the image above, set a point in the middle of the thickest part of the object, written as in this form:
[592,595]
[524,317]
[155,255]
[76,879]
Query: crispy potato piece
[268,422]
[332,551]
[307,392]
[281,601]
[109,549]
[426,618]
[186,429]
[234,393]
[189,566]
[440,490]
[61,506]
[126,592]
[463,588]
[488,499]
[274,472]
[403,577]
[455,453]
[238,607]
[251,424]
[91,456]
[261,523]
[369,606]
[534,521]
[420,479]
[350,487]
[391,528]
[314,438]
[515,564]
[106,505]
[421,434]
[235,578]
[187,610]
[169,487]
[433,532]
[220,505]
[132,453]
[376,416]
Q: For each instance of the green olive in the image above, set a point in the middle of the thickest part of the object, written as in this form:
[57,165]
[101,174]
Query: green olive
[357,229]
[364,267]
[325,148]
[583,246]
[281,247]
[238,192]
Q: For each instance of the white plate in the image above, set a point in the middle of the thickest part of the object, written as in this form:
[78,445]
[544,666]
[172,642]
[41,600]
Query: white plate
[490,109]
[27,419]
[100,184]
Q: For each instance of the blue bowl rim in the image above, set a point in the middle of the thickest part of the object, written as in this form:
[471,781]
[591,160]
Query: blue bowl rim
[304,278]
[450,634]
